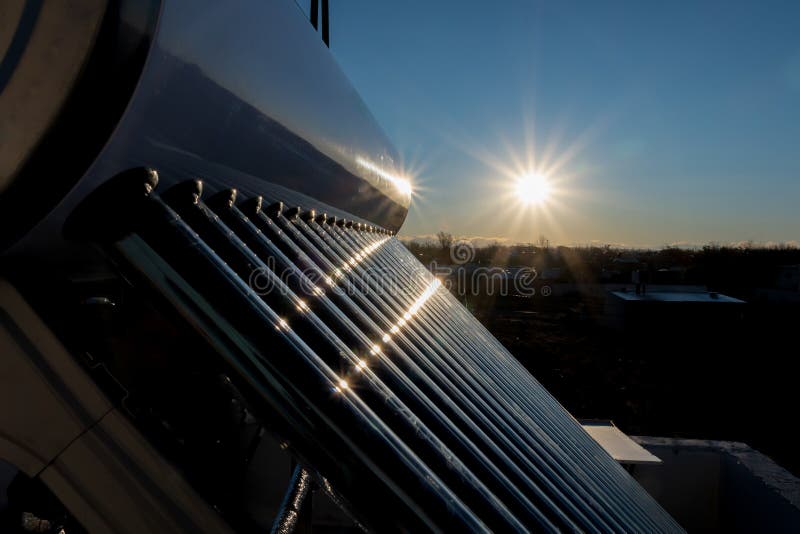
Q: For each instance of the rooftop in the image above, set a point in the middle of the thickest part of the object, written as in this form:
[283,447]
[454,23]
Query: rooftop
[677,296]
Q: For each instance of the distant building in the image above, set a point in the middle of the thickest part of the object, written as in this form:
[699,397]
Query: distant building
[633,261]
[621,269]
[675,312]
[785,289]
[670,275]
[789,278]
[552,273]
[720,486]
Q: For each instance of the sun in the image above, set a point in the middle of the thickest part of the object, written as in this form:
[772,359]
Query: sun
[533,188]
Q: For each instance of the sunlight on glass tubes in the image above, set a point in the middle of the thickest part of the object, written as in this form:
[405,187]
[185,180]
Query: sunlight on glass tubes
[376,349]
[429,291]
[351,262]
[341,385]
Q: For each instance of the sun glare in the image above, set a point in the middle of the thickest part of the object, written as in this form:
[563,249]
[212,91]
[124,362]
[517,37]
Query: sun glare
[533,188]
[402,183]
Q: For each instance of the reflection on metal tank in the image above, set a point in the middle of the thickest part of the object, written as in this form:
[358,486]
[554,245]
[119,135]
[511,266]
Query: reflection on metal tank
[193,87]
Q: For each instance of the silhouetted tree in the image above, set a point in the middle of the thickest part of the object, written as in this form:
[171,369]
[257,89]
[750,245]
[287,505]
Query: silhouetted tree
[445,239]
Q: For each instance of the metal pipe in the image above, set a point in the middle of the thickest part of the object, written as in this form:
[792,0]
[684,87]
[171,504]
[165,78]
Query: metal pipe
[289,512]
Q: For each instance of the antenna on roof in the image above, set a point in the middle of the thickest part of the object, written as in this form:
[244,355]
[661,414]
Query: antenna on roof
[326,25]
[314,15]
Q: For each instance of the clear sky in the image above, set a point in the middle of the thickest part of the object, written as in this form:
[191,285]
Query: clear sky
[655,122]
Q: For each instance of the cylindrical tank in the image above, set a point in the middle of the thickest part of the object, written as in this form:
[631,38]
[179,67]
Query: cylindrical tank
[246,94]
[68,71]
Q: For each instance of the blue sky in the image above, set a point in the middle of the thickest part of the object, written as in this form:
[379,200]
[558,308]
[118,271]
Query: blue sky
[657,122]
